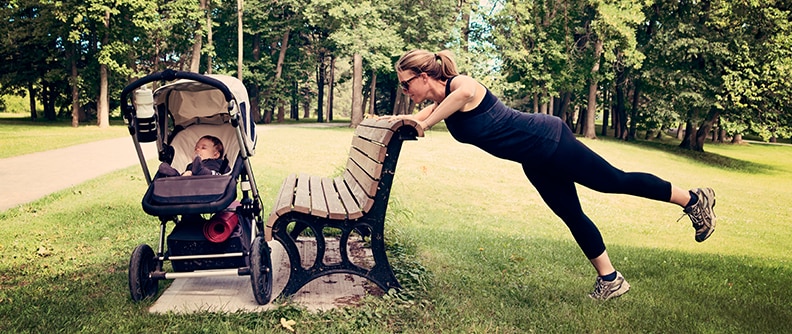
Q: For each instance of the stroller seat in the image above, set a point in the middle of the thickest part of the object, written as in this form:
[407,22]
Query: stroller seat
[168,196]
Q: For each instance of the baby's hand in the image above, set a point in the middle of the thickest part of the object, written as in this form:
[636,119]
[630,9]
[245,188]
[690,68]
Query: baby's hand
[187,173]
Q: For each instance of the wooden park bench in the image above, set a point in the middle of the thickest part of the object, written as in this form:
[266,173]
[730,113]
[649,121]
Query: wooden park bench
[354,202]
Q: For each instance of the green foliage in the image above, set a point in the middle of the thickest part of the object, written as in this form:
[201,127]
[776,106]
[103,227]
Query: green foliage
[684,59]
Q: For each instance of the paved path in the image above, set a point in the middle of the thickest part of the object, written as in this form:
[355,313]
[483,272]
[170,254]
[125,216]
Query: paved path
[29,177]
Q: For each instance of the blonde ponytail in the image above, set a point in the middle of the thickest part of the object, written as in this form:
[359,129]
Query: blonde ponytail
[440,66]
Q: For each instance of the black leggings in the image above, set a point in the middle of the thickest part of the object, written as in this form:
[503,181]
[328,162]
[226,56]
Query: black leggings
[573,163]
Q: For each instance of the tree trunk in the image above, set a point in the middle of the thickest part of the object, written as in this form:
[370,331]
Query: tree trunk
[737,139]
[591,112]
[636,99]
[75,91]
[543,105]
[621,109]
[279,71]
[397,101]
[680,131]
[331,89]
[321,80]
[103,107]
[563,110]
[689,137]
[256,96]
[357,90]
[209,37]
[581,120]
[704,129]
[606,108]
[240,35]
[372,93]
[195,61]
[32,101]
[535,103]
[464,12]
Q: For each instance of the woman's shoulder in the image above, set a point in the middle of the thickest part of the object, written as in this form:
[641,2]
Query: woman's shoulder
[461,80]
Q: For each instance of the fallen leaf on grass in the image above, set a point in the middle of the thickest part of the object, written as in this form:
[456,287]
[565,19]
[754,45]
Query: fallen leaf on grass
[288,324]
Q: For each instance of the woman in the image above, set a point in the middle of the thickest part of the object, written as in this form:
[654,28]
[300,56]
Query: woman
[551,157]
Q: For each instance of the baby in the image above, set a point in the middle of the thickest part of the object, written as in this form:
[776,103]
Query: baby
[208,159]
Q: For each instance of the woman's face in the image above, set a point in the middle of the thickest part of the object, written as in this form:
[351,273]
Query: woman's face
[413,84]
[205,149]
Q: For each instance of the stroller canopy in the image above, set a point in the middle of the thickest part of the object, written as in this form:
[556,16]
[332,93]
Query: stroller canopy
[190,102]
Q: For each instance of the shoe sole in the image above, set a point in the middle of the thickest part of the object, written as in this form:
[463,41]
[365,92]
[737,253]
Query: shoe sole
[712,228]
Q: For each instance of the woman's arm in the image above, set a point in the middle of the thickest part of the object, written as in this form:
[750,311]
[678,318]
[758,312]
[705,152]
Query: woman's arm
[425,112]
[463,93]
[419,117]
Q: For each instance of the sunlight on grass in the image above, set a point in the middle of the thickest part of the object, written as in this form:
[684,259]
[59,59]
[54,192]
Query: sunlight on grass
[22,136]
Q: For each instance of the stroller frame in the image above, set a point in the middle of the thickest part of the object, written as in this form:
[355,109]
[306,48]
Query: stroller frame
[146,266]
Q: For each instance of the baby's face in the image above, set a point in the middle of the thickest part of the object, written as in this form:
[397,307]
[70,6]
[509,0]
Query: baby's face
[205,149]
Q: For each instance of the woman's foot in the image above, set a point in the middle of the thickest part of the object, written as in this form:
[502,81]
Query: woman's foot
[604,290]
[701,213]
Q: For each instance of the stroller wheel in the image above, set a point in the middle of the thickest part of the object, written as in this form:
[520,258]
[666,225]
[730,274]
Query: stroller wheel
[261,271]
[142,263]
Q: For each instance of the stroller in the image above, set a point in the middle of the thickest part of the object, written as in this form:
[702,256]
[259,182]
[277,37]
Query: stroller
[230,242]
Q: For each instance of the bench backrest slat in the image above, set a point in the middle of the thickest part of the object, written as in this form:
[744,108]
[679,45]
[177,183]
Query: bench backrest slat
[357,191]
[371,149]
[374,134]
[347,199]
[366,171]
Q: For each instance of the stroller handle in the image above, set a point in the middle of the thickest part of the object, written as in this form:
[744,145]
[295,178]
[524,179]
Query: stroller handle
[170,75]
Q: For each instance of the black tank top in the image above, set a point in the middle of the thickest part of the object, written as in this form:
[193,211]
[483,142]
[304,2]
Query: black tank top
[504,132]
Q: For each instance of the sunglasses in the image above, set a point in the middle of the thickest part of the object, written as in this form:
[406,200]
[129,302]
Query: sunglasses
[406,84]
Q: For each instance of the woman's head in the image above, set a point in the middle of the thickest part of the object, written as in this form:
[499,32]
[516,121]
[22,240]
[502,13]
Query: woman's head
[209,147]
[440,66]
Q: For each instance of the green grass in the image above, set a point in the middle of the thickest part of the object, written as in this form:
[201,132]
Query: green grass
[19,135]
[470,239]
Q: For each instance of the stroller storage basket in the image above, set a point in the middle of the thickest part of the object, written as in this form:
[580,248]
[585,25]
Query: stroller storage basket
[188,238]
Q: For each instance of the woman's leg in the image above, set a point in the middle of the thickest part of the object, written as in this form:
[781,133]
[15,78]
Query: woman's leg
[559,192]
[589,169]
[560,195]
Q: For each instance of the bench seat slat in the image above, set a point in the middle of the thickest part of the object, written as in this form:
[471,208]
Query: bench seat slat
[302,194]
[318,201]
[335,208]
[283,203]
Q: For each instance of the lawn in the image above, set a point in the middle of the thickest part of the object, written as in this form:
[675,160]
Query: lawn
[474,246]
[34,136]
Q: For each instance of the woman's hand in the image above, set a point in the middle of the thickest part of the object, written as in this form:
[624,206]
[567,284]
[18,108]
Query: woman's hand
[423,125]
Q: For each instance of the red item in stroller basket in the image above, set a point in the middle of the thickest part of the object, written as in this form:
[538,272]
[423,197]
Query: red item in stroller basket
[220,227]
